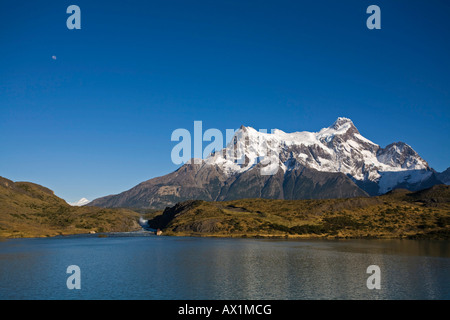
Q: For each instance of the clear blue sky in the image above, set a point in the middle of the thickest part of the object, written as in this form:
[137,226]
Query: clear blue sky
[98,119]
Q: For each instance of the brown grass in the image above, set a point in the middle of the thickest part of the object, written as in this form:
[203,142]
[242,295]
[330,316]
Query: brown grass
[30,210]
[400,214]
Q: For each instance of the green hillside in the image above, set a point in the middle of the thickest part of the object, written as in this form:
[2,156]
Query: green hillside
[31,210]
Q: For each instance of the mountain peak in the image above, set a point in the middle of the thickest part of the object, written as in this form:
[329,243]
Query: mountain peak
[79,203]
[343,124]
[401,154]
[247,129]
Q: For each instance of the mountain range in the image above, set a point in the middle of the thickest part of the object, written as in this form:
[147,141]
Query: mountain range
[335,162]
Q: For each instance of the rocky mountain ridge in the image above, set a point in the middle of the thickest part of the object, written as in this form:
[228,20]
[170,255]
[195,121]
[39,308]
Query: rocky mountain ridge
[336,162]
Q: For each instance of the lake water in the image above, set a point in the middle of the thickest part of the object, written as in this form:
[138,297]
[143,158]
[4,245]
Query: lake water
[143,266]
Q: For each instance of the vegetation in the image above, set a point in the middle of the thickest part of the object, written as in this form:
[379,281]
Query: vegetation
[30,210]
[399,214]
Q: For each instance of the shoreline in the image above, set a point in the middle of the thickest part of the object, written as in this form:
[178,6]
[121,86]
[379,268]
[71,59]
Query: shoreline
[231,236]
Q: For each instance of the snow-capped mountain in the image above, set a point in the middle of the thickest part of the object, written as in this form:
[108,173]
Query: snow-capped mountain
[335,162]
[338,148]
[79,203]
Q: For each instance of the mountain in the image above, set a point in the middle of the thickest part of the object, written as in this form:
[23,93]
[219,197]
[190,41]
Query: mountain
[445,176]
[31,210]
[79,203]
[336,162]
[400,213]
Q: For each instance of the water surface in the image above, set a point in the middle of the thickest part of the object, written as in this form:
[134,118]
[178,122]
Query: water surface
[140,266]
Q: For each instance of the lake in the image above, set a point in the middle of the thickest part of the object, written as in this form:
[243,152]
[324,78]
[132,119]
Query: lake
[143,266]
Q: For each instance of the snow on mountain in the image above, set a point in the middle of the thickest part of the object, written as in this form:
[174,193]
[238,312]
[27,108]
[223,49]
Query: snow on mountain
[336,162]
[79,203]
[338,148]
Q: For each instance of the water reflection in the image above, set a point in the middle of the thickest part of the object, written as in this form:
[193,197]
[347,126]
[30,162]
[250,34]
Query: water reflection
[200,268]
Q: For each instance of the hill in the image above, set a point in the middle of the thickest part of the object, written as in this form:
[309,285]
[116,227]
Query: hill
[397,214]
[31,210]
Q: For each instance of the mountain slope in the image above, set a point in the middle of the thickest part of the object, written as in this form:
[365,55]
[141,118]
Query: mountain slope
[31,210]
[209,182]
[336,162]
[444,176]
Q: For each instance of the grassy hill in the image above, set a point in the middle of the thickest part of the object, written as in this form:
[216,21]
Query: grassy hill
[399,214]
[31,210]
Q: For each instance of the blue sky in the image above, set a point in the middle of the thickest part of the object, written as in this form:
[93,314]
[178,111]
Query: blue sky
[97,120]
